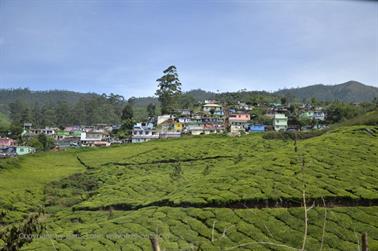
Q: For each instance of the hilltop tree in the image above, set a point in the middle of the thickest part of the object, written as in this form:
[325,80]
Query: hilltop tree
[169,89]
[284,101]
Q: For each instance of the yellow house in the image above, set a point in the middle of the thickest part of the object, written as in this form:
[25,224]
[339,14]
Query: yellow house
[178,126]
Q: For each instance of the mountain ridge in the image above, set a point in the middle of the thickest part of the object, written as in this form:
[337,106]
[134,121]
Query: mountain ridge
[351,91]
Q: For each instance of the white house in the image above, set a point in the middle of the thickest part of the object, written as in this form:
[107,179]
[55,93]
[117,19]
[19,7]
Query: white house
[143,132]
[213,108]
[94,138]
[280,122]
[319,115]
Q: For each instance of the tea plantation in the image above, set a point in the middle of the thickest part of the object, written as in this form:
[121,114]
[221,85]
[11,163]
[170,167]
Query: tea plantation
[202,193]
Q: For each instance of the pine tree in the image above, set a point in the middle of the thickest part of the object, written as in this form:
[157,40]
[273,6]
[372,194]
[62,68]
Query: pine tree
[169,89]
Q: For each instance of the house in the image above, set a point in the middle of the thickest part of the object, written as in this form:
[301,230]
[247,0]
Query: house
[23,150]
[143,132]
[194,127]
[307,115]
[92,138]
[163,118]
[169,134]
[240,117]
[244,106]
[61,135]
[213,128]
[319,115]
[213,108]
[184,112]
[184,120]
[167,125]
[47,131]
[256,128]
[68,142]
[7,142]
[27,126]
[239,121]
[280,122]
[7,152]
[170,128]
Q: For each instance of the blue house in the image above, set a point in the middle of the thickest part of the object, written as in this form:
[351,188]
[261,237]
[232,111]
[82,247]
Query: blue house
[256,128]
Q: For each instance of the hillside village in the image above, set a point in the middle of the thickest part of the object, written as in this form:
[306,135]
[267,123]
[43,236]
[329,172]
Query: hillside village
[212,117]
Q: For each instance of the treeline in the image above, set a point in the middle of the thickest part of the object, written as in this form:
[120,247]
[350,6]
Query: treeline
[86,111]
[8,96]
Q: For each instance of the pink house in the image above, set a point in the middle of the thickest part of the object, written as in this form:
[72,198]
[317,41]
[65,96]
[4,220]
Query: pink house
[7,142]
[240,117]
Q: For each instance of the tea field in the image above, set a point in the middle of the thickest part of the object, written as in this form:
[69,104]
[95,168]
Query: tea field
[202,193]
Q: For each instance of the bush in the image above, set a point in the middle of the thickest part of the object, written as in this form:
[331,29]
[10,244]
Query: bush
[293,135]
[71,190]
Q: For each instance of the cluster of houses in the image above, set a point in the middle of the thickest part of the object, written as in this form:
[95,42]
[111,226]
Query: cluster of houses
[73,136]
[9,148]
[214,118]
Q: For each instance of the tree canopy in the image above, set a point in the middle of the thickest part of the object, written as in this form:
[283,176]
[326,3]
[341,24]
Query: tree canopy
[169,89]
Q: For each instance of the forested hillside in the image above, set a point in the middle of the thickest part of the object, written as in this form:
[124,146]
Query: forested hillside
[29,97]
[351,91]
[59,108]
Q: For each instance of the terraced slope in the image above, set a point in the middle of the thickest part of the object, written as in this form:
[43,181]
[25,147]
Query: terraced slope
[340,166]
[192,229]
[210,193]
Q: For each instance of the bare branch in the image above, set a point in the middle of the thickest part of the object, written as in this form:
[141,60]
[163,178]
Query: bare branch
[305,221]
[261,243]
[212,231]
[324,224]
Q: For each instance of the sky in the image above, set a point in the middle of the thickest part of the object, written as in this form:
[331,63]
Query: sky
[124,46]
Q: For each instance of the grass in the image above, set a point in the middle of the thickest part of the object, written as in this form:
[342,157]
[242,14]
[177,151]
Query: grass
[179,187]
[21,187]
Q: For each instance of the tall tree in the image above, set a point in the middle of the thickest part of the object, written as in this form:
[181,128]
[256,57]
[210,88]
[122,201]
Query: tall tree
[18,112]
[127,112]
[151,109]
[127,118]
[63,116]
[49,116]
[169,89]
[36,114]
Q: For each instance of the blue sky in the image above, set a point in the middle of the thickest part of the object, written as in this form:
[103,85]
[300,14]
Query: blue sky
[123,46]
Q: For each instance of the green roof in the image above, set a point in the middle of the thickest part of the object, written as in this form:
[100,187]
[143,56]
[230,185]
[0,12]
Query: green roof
[62,133]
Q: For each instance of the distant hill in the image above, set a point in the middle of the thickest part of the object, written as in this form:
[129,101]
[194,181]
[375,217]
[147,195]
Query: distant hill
[351,91]
[29,97]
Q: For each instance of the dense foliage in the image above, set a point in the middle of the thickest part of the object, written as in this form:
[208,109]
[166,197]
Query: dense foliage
[4,122]
[86,111]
